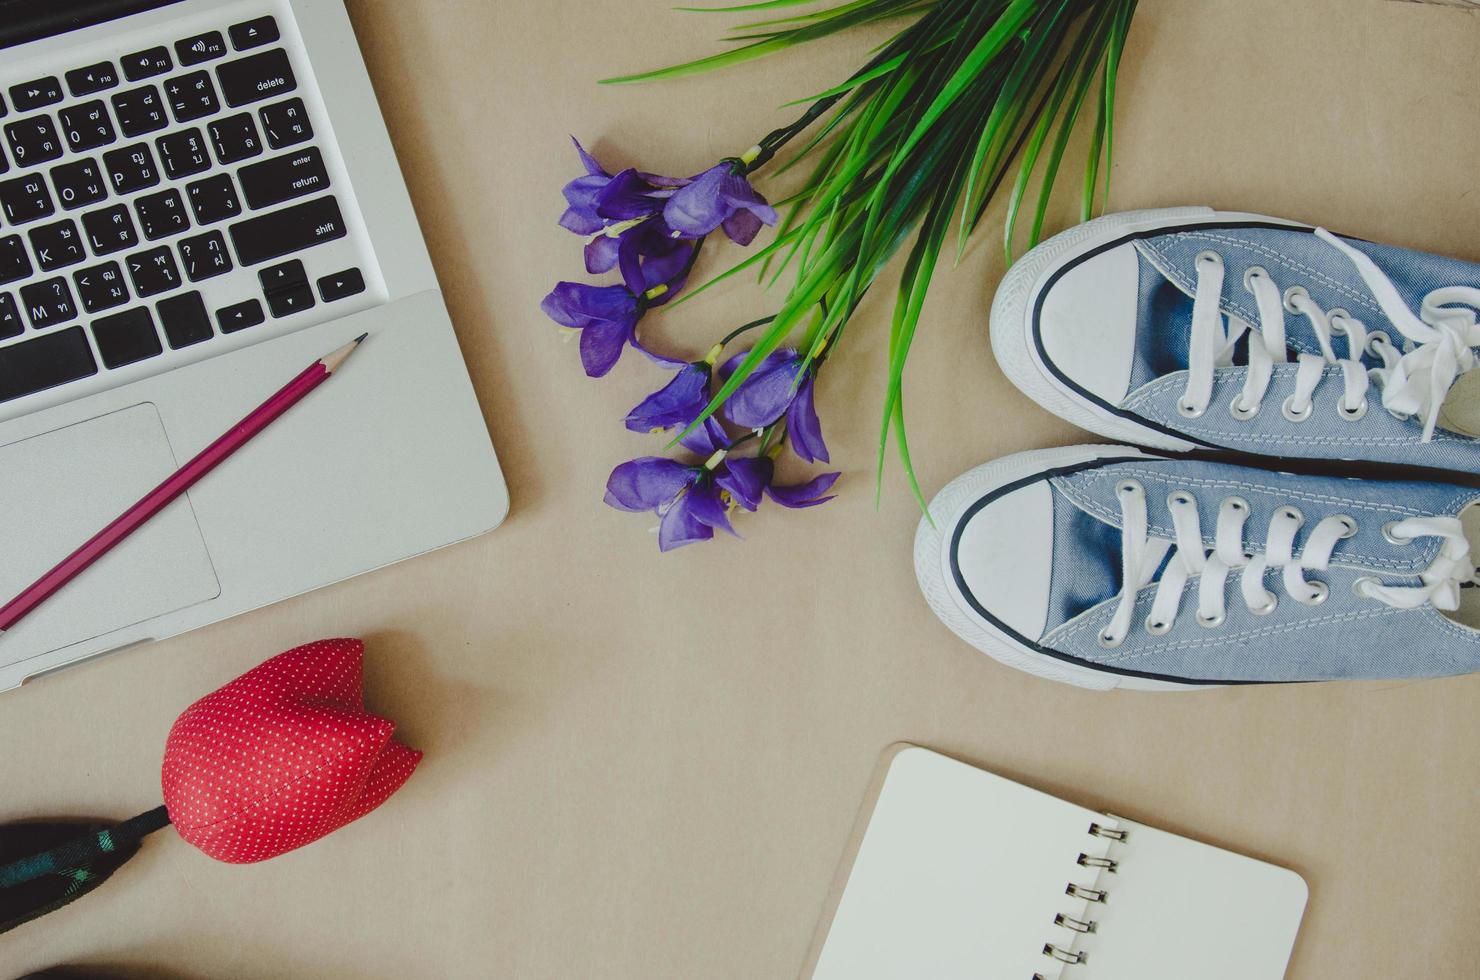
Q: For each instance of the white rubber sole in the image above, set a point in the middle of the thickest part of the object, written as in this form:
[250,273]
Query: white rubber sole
[1011,327]
[932,561]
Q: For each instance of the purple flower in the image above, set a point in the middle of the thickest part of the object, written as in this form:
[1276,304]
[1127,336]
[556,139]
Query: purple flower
[719,197]
[607,315]
[745,480]
[582,196]
[685,498]
[773,390]
[679,403]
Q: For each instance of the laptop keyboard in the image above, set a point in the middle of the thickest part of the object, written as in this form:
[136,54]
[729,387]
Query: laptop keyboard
[158,201]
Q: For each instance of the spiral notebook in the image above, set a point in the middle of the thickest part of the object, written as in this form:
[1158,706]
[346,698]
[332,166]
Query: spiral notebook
[963,874]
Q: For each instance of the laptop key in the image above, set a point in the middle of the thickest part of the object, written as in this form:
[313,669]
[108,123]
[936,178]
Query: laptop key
[126,338]
[92,79]
[183,153]
[110,230]
[213,199]
[205,256]
[14,262]
[240,316]
[48,303]
[100,288]
[290,230]
[131,168]
[341,285]
[162,214]
[79,183]
[139,111]
[33,140]
[235,138]
[184,320]
[254,33]
[87,126]
[45,362]
[154,271]
[287,288]
[146,64]
[283,178]
[57,245]
[10,318]
[34,95]
[202,47]
[25,199]
[192,96]
[286,123]
[258,77]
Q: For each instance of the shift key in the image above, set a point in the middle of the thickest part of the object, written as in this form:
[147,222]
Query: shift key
[283,178]
[289,230]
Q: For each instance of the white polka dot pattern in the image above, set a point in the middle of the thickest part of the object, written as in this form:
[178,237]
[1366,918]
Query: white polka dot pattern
[281,756]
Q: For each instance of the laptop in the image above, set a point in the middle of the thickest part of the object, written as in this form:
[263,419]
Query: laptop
[198,199]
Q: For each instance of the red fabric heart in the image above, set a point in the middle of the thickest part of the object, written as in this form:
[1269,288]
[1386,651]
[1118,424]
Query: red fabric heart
[281,756]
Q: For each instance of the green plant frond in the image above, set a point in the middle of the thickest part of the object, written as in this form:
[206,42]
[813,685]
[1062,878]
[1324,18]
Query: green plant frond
[820,15]
[876,72]
[742,7]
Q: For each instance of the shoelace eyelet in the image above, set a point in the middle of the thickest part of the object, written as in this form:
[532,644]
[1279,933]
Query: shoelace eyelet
[1237,410]
[1349,526]
[1237,504]
[1268,607]
[1158,627]
[1109,642]
[1127,486]
[1254,272]
[1361,585]
[1213,621]
[1292,513]
[1209,256]
[1188,411]
[1376,340]
[1179,498]
[1389,532]
[1336,321]
[1295,297]
[1347,415]
[1320,592]
[1288,410]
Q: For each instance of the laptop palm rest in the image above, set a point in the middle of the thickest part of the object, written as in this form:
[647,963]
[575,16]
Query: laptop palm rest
[60,488]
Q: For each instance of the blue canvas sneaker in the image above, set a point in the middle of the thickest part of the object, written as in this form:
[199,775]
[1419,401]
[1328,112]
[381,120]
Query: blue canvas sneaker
[1107,567]
[1189,328]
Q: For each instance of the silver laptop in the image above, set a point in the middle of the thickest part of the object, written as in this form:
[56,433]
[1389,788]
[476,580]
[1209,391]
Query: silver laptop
[198,199]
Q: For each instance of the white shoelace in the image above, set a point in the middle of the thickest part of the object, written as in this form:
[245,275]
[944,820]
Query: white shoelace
[1142,554]
[1440,341]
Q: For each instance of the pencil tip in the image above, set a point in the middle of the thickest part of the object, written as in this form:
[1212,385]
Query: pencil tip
[361,338]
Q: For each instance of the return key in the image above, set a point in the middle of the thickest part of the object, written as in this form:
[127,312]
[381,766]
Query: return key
[283,178]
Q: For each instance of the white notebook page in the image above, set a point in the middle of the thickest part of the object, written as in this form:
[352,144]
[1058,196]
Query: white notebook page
[960,874]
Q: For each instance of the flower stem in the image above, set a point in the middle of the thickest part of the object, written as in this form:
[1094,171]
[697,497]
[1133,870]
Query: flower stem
[83,849]
[749,326]
[778,138]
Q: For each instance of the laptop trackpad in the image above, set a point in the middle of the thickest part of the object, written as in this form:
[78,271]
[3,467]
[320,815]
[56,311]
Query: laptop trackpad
[59,489]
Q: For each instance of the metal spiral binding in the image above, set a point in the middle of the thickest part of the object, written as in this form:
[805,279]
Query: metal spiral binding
[1087,894]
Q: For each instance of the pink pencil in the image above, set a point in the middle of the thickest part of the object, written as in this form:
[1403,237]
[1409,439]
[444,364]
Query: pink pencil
[186,477]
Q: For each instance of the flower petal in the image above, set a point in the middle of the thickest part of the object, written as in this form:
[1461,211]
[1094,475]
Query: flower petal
[803,426]
[578,304]
[626,196]
[677,403]
[738,194]
[647,483]
[601,345]
[763,397]
[742,227]
[707,439]
[746,479]
[680,526]
[805,495]
[699,208]
[601,254]
[588,161]
[707,507]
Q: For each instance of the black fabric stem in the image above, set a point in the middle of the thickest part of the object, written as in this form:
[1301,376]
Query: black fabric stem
[83,849]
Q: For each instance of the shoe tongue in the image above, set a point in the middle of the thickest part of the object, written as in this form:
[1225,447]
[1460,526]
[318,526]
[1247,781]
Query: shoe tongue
[1086,569]
[1164,326]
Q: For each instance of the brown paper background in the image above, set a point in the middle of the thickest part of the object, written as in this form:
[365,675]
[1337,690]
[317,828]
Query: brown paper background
[645,767]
